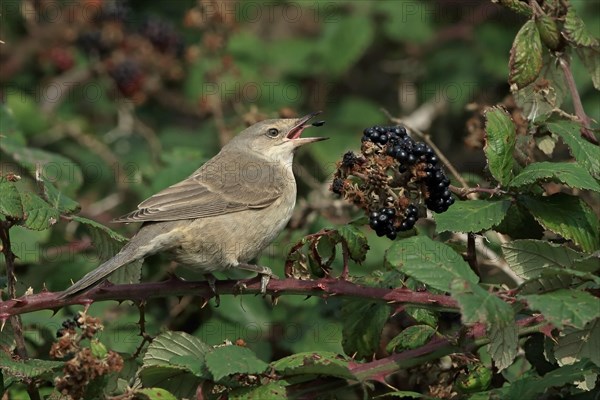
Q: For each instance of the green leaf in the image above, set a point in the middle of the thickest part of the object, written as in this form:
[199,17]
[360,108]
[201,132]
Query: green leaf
[9,127]
[570,174]
[517,6]
[313,363]
[472,215]
[586,154]
[568,216]
[155,394]
[362,326]
[338,51]
[271,391]
[500,144]
[548,29]
[479,305]
[410,338]
[52,167]
[58,200]
[158,370]
[106,241]
[530,259]
[430,262]
[566,307]
[229,360]
[39,215]
[31,368]
[576,32]
[520,224]
[590,57]
[525,61]
[574,344]
[531,387]
[404,394]
[356,241]
[10,199]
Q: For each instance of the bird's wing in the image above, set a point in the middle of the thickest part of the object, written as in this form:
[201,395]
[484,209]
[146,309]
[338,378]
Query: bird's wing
[216,188]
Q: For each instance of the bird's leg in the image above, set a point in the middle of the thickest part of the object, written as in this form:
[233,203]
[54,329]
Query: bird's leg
[265,273]
[210,278]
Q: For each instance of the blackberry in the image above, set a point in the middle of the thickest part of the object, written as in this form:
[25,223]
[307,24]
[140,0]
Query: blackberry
[382,222]
[337,186]
[163,36]
[117,11]
[128,76]
[92,44]
[349,160]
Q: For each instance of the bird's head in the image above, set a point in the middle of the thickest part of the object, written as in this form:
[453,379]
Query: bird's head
[276,139]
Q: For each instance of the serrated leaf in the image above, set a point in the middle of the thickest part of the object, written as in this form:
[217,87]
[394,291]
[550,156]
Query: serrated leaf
[106,241]
[566,307]
[520,224]
[155,394]
[272,391]
[430,262]
[500,144]
[530,387]
[479,305]
[313,363]
[31,368]
[590,57]
[525,61]
[568,216]
[586,153]
[530,259]
[422,315]
[59,200]
[362,324]
[10,199]
[570,174]
[576,32]
[356,242]
[573,345]
[548,29]
[38,214]
[410,338]
[404,394]
[229,360]
[158,370]
[472,215]
[53,167]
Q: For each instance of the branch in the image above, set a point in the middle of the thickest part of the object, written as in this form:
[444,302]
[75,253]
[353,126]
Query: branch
[15,319]
[325,287]
[579,111]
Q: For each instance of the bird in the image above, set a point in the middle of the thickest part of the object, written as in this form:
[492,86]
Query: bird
[225,213]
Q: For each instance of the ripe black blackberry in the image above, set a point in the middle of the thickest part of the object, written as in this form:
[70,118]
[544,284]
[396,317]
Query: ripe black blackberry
[349,159]
[92,44]
[163,36]
[128,77]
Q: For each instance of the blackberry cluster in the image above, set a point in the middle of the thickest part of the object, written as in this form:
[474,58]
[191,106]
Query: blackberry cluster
[440,197]
[128,76]
[163,36]
[92,44]
[391,176]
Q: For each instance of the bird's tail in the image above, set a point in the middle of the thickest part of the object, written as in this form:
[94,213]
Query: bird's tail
[124,257]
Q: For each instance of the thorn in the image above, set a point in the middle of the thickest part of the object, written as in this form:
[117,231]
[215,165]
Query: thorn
[55,311]
[3,320]
[204,302]
[274,299]
[307,297]
[397,311]
[20,302]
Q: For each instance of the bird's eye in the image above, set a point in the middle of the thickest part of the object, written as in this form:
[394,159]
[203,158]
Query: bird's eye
[273,132]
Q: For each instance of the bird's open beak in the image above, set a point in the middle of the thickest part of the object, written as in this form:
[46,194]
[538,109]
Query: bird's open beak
[295,133]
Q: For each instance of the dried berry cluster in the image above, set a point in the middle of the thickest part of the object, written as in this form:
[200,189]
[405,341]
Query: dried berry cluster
[87,363]
[391,176]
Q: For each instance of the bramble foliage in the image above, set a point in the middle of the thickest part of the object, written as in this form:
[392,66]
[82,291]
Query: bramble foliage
[496,297]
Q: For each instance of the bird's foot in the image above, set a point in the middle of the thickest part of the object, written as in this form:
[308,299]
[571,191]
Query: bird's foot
[211,280]
[265,274]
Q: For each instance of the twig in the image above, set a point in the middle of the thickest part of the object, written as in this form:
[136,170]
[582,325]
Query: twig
[465,191]
[472,253]
[428,140]
[15,319]
[175,287]
[579,111]
[142,323]
[345,256]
